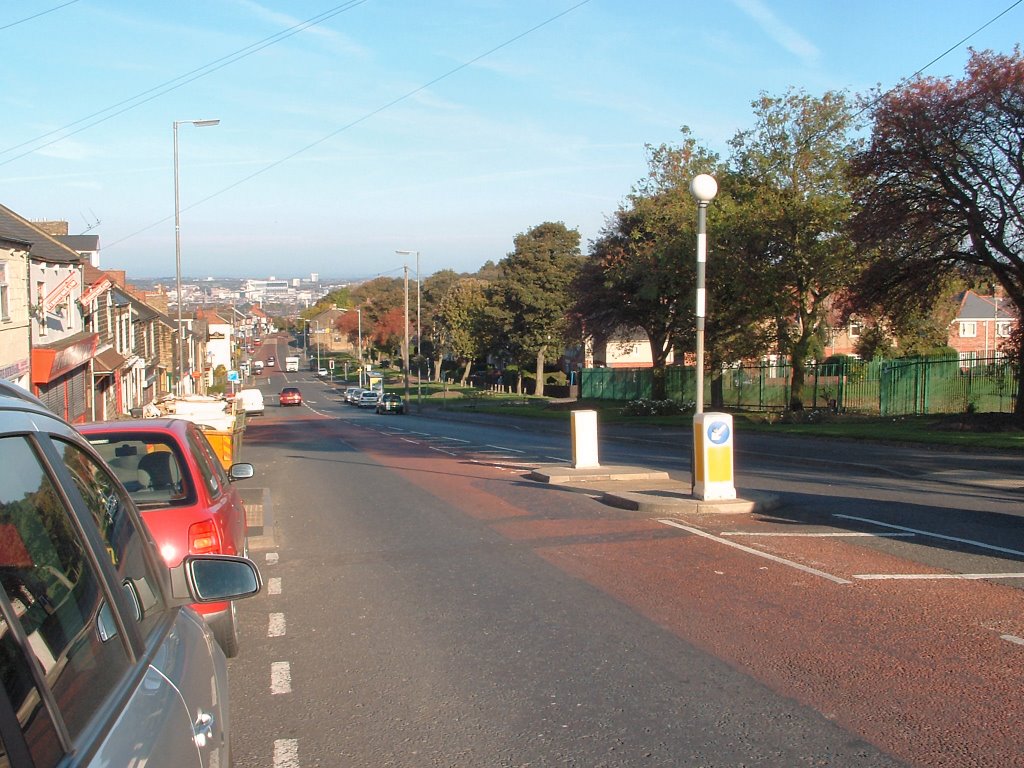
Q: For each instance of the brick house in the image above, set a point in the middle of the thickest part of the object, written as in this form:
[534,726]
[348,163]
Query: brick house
[983,324]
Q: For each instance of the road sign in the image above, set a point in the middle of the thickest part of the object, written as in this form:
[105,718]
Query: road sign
[330,364]
[233,376]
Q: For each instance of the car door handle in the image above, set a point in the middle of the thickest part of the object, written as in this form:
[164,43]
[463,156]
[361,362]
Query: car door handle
[203,729]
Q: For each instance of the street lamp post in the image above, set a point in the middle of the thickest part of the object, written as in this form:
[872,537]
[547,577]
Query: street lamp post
[703,188]
[177,247]
[317,347]
[359,339]
[419,357]
[405,342]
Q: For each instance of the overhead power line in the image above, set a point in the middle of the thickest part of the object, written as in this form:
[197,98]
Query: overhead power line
[358,120]
[37,15]
[170,85]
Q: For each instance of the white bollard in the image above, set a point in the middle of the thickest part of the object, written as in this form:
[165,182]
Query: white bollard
[584,439]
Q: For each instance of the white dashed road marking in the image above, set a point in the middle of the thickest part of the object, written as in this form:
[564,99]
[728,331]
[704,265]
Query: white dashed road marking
[286,753]
[274,586]
[276,625]
[280,678]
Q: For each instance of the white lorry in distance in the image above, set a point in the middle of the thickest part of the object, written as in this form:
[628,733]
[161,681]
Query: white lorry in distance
[291,364]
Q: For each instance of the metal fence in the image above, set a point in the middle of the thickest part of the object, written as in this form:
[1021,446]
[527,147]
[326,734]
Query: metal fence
[901,387]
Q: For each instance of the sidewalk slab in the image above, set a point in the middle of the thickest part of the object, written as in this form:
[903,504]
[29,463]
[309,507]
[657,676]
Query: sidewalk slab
[677,500]
[560,474]
[650,491]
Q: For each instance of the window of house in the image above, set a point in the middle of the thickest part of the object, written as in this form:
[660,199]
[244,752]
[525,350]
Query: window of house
[1003,329]
[968,329]
[5,297]
[855,330]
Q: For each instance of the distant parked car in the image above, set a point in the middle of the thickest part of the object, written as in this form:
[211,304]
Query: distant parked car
[290,396]
[271,362]
[368,399]
[391,403]
[323,373]
[188,501]
[352,395]
[103,662]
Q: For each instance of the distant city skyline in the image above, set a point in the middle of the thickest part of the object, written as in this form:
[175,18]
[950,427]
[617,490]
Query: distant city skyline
[349,132]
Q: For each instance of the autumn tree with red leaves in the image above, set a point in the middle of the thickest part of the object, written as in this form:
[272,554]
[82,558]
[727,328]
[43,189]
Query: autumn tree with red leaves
[941,186]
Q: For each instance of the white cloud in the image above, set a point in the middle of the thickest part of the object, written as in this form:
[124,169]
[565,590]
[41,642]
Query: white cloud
[779,31]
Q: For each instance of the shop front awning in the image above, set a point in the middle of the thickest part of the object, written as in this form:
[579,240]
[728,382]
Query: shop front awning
[57,359]
[108,361]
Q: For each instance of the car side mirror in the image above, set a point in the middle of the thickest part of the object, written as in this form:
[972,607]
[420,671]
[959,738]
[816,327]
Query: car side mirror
[241,471]
[215,578]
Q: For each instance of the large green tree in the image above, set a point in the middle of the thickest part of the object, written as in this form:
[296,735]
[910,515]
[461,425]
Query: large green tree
[790,185]
[530,302]
[459,323]
[941,185]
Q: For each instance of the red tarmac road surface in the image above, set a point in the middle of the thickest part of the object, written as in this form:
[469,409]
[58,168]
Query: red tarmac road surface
[927,670]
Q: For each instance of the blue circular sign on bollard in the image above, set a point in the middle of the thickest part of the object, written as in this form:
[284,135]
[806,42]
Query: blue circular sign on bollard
[718,432]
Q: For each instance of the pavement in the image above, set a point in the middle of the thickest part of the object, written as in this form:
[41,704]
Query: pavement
[650,491]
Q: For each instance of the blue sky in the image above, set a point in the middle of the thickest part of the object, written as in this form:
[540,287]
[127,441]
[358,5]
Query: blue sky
[445,127]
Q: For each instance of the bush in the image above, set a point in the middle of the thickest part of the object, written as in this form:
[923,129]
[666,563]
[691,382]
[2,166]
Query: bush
[651,408]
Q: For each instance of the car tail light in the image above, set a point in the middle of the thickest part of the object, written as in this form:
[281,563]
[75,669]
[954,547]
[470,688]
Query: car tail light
[203,538]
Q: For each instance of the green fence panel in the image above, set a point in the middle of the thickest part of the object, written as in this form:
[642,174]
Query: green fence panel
[902,387]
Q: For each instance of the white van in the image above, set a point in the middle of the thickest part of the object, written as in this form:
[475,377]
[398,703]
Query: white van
[250,401]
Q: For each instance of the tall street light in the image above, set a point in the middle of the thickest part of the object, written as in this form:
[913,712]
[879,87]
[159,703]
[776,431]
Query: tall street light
[703,188]
[359,338]
[177,246]
[419,371]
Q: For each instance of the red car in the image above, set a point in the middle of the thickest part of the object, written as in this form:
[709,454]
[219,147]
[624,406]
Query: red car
[186,498]
[290,396]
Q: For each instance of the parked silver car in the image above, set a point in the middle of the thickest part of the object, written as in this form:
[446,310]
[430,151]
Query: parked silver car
[368,398]
[101,661]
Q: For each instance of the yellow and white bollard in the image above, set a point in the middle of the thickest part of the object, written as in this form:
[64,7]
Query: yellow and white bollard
[584,439]
[712,454]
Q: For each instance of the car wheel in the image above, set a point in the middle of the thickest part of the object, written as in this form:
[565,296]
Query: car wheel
[225,631]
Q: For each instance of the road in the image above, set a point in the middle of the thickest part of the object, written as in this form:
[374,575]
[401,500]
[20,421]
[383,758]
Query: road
[428,606]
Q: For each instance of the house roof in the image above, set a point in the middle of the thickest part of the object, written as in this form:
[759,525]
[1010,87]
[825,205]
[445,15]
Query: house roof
[80,242]
[44,247]
[975,307]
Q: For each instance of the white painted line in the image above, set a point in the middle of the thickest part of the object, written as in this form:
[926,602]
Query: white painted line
[274,585]
[935,576]
[835,534]
[557,458]
[749,550]
[407,440]
[502,448]
[442,450]
[453,439]
[280,677]
[272,558]
[276,625]
[1012,639]
[979,544]
[422,434]
[286,753]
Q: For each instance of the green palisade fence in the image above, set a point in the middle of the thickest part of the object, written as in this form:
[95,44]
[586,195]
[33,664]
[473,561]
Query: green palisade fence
[907,386]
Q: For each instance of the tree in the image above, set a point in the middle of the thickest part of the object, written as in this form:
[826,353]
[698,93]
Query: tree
[789,175]
[641,269]
[941,184]
[432,293]
[458,323]
[531,299]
